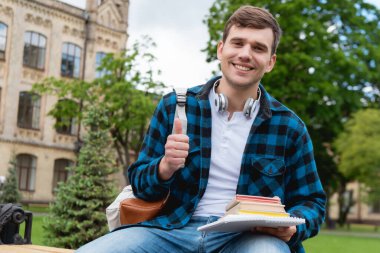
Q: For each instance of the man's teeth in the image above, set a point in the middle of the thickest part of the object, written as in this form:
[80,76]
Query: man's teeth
[242,67]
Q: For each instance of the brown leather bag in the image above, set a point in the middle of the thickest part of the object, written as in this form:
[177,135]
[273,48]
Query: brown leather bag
[134,210]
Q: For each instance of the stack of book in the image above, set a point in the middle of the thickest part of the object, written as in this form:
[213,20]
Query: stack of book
[245,212]
[256,205]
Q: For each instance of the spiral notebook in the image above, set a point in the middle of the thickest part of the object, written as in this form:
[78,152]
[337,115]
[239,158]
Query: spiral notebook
[240,223]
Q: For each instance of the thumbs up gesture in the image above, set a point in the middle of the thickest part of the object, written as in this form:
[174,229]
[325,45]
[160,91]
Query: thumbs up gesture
[176,151]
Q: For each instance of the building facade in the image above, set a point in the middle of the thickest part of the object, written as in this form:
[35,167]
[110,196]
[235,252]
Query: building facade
[360,211]
[40,39]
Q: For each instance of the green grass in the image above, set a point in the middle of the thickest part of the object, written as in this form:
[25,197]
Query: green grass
[327,243]
[37,230]
[36,209]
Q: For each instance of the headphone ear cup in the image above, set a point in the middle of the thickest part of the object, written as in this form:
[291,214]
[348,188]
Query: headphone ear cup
[249,107]
[224,103]
[217,102]
[221,102]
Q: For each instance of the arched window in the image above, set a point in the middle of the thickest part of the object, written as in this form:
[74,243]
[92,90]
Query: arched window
[60,171]
[66,124]
[3,40]
[29,110]
[26,170]
[34,50]
[71,58]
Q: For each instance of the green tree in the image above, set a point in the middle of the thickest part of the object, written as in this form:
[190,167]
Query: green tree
[328,54]
[359,149]
[125,91]
[78,214]
[9,190]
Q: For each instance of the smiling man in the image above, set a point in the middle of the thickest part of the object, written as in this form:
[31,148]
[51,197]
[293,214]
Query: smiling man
[240,140]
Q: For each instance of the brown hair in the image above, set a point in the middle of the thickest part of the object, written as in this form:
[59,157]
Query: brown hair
[254,17]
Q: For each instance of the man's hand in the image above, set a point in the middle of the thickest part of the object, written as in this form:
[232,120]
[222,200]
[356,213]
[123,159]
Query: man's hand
[284,233]
[176,151]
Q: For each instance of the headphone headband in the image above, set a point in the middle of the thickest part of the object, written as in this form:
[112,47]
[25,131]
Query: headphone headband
[221,101]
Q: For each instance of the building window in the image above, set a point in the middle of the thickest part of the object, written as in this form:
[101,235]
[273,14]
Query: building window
[66,124]
[60,171]
[26,170]
[29,110]
[3,40]
[98,62]
[70,64]
[376,207]
[34,50]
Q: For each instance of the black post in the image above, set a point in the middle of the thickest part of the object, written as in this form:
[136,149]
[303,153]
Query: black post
[11,216]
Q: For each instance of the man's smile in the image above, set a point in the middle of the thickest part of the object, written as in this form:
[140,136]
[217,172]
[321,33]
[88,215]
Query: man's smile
[241,67]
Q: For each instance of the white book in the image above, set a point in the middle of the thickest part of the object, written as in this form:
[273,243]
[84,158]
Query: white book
[240,223]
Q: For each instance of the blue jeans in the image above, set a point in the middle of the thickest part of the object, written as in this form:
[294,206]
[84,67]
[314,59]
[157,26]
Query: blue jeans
[186,239]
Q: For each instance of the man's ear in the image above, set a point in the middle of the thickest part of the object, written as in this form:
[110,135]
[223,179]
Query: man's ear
[219,49]
[271,64]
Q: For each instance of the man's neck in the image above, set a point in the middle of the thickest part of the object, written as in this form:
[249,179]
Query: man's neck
[237,96]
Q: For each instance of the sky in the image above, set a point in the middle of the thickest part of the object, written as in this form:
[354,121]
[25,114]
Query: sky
[176,27]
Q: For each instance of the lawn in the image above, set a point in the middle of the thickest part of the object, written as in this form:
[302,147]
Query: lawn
[328,243]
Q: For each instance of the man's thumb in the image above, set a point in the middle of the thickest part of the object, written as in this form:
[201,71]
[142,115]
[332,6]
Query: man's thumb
[177,126]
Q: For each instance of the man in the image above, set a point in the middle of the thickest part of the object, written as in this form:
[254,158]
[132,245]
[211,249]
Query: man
[239,140]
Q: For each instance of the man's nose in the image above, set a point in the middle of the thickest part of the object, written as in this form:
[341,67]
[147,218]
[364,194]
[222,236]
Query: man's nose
[245,53]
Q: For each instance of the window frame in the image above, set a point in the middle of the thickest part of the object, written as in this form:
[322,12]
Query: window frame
[375,208]
[29,108]
[71,128]
[5,37]
[98,62]
[71,62]
[30,169]
[60,170]
[34,54]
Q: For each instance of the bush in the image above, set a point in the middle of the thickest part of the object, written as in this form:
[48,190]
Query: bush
[9,190]
[78,214]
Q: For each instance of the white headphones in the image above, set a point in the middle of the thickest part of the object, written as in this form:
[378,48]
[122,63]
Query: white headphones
[221,102]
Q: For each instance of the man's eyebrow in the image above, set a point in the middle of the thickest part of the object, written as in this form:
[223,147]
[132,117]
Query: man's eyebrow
[237,39]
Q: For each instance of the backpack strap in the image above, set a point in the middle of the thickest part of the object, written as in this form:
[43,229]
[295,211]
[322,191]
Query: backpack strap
[180,111]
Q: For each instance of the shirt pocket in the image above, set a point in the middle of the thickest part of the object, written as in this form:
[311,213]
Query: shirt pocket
[266,177]
[270,167]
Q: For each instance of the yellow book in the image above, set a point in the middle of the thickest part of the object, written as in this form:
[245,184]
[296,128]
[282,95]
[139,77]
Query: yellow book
[260,207]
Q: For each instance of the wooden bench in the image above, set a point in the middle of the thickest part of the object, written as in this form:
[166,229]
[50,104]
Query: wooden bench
[29,248]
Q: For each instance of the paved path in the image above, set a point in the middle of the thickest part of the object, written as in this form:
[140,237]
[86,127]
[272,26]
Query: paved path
[349,233]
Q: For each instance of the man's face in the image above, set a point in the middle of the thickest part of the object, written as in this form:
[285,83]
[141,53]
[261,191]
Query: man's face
[246,56]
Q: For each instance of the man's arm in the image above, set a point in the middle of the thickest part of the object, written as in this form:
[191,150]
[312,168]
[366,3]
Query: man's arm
[176,151]
[161,155]
[304,195]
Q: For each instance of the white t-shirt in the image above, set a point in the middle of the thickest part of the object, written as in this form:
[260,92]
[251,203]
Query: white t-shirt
[229,138]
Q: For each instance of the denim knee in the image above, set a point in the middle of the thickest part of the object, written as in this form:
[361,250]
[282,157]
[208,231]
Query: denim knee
[249,242]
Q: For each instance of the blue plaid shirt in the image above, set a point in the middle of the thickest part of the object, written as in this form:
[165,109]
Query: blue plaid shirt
[277,161]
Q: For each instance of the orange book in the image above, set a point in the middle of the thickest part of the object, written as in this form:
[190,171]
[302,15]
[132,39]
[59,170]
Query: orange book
[240,197]
[252,199]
